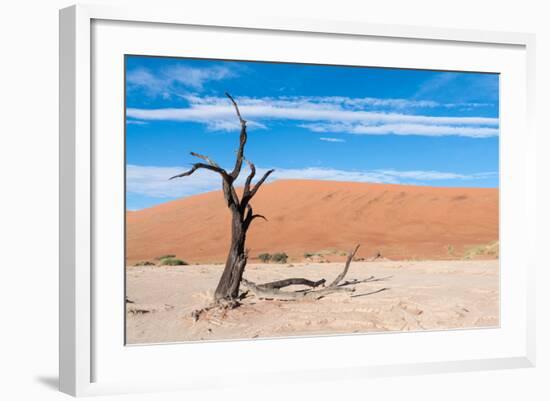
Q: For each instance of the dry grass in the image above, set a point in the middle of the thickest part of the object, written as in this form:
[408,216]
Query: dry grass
[488,250]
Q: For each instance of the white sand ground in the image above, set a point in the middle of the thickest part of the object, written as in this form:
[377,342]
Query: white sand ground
[426,295]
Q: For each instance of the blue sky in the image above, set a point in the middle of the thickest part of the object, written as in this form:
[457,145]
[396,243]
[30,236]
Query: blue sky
[307,121]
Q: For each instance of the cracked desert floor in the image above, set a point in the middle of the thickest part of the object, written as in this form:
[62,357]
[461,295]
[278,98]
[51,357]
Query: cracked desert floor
[396,296]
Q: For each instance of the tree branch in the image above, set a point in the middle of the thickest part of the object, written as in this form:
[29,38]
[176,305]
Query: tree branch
[249,213]
[242,141]
[242,121]
[341,276]
[205,158]
[228,190]
[292,281]
[272,290]
[246,190]
[251,216]
[198,166]
[230,194]
[274,293]
[252,192]
[254,216]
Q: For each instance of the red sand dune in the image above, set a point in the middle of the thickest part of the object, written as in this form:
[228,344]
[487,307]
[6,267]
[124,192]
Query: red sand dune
[400,221]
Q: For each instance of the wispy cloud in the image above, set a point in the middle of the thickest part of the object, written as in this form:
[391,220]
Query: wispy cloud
[196,77]
[231,125]
[464,89]
[142,78]
[338,140]
[436,83]
[171,80]
[136,122]
[321,114]
[345,102]
[430,175]
[404,129]
[153,181]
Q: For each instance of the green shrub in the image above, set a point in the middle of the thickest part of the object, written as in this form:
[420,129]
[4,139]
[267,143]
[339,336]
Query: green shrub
[279,257]
[165,257]
[172,262]
[264,257]
[144,263]
[308,255]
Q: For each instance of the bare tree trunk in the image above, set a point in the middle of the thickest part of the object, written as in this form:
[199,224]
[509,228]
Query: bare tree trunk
[228,286]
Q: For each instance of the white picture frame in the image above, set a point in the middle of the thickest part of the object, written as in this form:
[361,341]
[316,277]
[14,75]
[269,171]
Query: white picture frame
[84,353]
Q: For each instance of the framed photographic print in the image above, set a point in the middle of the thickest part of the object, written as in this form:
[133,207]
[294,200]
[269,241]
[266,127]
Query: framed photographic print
[407,177]
[242,190]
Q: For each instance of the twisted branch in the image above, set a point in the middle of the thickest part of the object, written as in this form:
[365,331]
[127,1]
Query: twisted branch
[251,216]
[228,190]
[198,166]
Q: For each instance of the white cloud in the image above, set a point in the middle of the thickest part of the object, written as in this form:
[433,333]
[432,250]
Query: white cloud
[166,82]
[436,83]
[233,125]
[197,77]
[331,101]
[321,114]
[462,87]
[136,122]
[420,175]
[154,181]
[145,79]
[332,139]
[404,129]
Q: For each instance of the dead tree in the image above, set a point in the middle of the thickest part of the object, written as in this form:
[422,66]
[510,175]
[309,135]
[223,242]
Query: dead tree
[242,214]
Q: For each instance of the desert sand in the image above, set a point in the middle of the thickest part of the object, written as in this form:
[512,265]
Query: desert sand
[402,296]
[325,218]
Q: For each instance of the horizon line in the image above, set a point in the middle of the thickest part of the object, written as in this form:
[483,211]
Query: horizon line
[319,180]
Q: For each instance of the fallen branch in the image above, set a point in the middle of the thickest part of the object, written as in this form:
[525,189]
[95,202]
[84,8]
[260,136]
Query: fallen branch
[292,281]
[370,279]
[327,291]
[341,276]
[275,293]
[356,281]
[272,290]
